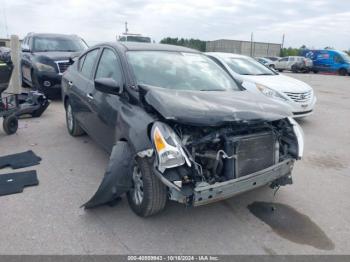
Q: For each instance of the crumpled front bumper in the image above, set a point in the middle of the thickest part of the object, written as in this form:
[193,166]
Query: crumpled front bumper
[279,174]
[219,191]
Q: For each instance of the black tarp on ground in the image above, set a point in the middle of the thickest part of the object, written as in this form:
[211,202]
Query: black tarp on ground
[20,160]
[13,183]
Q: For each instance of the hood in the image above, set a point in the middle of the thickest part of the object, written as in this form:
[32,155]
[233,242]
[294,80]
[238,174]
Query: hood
[280,83]
[211,108]
[57,56]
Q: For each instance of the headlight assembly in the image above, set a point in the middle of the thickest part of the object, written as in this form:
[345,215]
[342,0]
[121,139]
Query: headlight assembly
[298,131]
[269,92]
[168,147]
[44,67]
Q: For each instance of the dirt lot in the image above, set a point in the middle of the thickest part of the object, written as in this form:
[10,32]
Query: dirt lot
[314,217]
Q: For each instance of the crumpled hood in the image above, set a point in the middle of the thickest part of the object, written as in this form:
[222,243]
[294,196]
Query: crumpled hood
[57,56]
[211,108]
[280,83]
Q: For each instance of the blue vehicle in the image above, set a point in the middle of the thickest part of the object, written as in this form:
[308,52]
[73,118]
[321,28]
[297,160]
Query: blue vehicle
[329,61]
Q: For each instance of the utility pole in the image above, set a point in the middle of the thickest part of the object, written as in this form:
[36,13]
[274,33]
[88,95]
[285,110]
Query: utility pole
[282,45]
[126,28]
[251,44]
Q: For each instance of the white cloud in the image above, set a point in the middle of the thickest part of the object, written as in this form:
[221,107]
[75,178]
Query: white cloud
[316,23]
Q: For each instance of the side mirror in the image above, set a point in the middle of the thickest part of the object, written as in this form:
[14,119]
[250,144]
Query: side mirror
[107,85]
[25,49]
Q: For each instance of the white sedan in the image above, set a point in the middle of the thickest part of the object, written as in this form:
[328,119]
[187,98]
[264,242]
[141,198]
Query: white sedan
[257,78]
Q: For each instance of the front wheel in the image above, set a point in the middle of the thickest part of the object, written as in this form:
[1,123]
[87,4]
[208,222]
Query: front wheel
[10,124]
[342,72]
[148,195]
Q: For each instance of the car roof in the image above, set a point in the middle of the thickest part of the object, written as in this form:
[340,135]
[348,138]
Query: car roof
[135,46]
[49,35]
[227,55]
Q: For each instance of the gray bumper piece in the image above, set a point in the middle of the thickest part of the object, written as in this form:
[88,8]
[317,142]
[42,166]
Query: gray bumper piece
[212,193]
[118,176]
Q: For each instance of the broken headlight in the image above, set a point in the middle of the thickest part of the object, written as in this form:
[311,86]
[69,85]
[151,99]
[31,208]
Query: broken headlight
[299,135]
[168,147]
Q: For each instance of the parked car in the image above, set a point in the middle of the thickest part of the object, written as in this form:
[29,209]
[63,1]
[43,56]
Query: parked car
[286,63]
[303,65]
[177,126]
[333,61]
[273,58]
[44,59]
[256,78]
[266,62]
[5,54]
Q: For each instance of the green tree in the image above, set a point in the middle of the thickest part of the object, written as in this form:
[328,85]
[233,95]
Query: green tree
[190,43]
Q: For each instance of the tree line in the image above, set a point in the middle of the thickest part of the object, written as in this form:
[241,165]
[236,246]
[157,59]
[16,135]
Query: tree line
[201,46]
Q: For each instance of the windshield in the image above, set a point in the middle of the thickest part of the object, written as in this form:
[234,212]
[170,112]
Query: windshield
[345,56]
[180,71]
[45,44]
[247,66]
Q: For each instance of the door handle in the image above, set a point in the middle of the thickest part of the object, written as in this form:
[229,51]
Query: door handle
[88,95]
[70,83]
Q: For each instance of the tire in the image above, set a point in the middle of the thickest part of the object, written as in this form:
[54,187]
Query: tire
[23,83]
[315,71]
[73,127]
[294,69]
[154,192]
[34,83]
[10,124]
[280,70]
[272,67]
[343,72]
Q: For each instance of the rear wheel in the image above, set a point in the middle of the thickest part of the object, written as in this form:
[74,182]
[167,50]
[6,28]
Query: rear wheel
[73,126]
[315,71]
[280,70]
[294,69]
[148,195]
[10,124]
[342,72]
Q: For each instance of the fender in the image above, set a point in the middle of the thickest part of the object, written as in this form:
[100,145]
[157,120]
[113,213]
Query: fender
[118,176]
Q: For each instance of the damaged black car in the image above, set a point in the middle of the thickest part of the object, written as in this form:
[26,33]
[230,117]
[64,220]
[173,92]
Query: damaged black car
[177,127]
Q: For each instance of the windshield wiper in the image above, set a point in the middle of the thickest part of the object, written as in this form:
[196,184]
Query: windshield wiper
[211,90]
[68,50]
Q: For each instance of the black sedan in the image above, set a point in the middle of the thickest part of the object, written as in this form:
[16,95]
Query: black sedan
[176,125]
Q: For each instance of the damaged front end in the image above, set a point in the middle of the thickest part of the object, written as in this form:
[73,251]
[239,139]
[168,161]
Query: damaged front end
[200,165]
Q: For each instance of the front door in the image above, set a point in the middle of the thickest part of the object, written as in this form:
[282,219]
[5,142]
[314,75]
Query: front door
[106,106]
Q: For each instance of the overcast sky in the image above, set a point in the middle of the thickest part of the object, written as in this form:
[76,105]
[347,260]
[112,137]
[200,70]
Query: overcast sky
[316,23]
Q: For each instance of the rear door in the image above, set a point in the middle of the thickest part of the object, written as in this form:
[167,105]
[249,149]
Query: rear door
[82,87]
[105,106]
[281,64]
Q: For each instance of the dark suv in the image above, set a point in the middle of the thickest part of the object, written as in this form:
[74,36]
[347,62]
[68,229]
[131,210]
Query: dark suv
[45,57]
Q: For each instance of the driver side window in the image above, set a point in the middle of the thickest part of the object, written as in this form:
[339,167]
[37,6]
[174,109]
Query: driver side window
[109,66]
